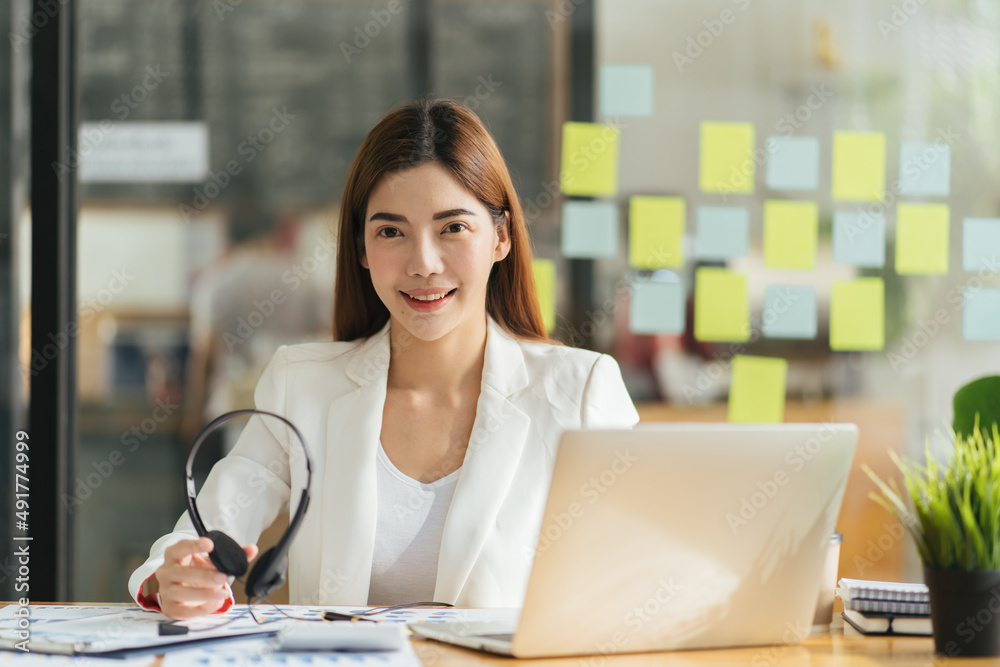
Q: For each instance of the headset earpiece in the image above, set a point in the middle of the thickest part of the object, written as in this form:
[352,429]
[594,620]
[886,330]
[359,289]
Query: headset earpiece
[227,556]
[268,573]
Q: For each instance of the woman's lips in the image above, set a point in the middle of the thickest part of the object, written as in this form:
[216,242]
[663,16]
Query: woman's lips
[428,306]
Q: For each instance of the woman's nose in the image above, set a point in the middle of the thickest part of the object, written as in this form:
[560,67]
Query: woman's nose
[425,257]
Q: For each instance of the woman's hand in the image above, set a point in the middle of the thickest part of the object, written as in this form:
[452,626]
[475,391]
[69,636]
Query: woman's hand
[189,584]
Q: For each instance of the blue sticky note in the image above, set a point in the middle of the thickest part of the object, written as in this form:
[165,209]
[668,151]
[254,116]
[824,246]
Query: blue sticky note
[792,163]
[656,307]
[924,168]
[722,232]
[589,229]
[859,238]
[981,314]
[626,91]
[981,245]
[789,312]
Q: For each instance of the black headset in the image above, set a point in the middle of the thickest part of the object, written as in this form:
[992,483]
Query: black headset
[228,556]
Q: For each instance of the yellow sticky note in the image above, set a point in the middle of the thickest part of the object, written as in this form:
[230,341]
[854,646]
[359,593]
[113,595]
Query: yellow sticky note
[922,239]
[589,159]
[858,166]
[727,160]
[757,391]
[545,286]
[857,314]
[721,307]
[656,232]
[790,231]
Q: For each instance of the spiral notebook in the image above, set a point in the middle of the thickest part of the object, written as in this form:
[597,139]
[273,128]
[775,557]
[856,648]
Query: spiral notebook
[884,597]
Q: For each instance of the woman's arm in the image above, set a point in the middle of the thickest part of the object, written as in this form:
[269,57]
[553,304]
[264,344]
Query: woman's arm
[244,491]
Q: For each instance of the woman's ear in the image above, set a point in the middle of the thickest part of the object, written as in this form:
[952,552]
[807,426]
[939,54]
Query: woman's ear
[362,255]
[503,239]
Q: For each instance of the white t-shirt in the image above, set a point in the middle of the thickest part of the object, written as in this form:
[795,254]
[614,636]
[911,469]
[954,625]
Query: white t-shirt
[408,534]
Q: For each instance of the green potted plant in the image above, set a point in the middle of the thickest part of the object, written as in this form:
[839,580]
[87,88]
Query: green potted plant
[954,518]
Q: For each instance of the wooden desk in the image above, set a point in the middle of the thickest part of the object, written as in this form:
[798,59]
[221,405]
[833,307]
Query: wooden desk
[840,646]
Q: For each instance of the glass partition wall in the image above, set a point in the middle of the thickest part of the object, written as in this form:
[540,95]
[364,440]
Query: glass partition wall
[859,210]
[214,143]
[215,138]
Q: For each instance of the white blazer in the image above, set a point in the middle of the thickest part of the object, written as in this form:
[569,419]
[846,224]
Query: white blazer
[335,393]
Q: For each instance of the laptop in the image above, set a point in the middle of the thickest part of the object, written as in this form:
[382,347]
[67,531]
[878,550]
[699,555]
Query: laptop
[676,536]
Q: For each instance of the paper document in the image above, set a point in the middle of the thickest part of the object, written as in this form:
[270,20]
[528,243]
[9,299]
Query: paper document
[259,651]
[101,630]
[487,615]
[89,629]
[21,659]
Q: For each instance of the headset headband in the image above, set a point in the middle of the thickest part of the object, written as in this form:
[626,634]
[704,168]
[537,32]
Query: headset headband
[279,550]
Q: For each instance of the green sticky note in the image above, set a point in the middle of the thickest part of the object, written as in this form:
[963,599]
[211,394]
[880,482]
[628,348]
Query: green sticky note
[727,160]
[656,232]
[790,231]
[721,306]
[922,239]
[545,286]
[857,314]
[858,166]
[589,159]
[757,391]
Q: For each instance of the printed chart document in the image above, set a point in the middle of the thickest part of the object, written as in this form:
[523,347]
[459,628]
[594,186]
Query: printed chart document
[116,631]
[16,658]
[260,652]
[109,631]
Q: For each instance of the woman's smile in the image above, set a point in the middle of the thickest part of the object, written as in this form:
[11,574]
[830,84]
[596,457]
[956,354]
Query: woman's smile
[428,300]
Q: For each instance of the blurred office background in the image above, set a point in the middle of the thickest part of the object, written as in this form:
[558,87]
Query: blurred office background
[213,143]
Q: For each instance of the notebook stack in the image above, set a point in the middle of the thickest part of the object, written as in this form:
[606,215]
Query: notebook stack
[885,608]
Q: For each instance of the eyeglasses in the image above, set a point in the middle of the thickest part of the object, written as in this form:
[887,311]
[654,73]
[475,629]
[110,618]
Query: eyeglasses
[366,615]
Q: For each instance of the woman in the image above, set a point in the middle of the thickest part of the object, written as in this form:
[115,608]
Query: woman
[433,422]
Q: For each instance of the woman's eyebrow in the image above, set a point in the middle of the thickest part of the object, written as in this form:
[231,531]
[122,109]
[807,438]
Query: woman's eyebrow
[440,215]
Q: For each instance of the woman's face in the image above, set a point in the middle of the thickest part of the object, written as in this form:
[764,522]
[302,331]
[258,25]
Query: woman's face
[430,245]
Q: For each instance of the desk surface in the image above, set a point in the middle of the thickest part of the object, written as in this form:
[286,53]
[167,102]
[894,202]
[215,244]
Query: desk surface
[839,646]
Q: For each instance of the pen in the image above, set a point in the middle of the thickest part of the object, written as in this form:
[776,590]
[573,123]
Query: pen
[334,616]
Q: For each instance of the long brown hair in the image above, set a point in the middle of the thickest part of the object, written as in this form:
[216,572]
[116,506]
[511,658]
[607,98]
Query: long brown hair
[450,134]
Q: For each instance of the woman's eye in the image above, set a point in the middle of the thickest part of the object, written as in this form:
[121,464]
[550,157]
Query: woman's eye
[456,226]
[388,232]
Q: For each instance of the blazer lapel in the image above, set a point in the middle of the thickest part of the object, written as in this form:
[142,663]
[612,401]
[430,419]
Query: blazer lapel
[350,495]
[498,437]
